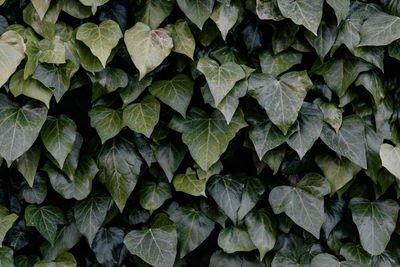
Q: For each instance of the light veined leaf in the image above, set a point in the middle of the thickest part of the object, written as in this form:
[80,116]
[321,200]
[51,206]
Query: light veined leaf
[390,157]
[190,184]
[268,10]
[324,40]
[11,54]
[278,63]
[156,245]
[333,115]
[198,11]
[353,252]
[233,238]
[380,29]
[133,89]
[304,203]
[252,191]
[108,245]
[182,38]
[108,122]
[153,12]
[41,7]
[225,16]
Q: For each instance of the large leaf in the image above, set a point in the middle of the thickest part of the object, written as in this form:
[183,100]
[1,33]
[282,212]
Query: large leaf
[207,137]
[100,39]
[232,239]
[303,12]
[189,184]
[19,126]
[142,117]
[108,122]
[192,225]
[390,157]
[380,29]
[11,54]
[182,37]
[45,219]
[119,166]
[153,195]
[375,222]
[153,12]
[198,11]
[58,136]
[283,98]
[349,142]
[225,16]
[220,79]
[156,245]
[147,47]
[90,214]
[304,203]
[176,93]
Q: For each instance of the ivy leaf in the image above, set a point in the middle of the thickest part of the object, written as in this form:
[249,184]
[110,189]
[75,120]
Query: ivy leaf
[262,230]
[45,219]
[350,141]
[227,193]
[153,195]
[155,245]
[220,259]
[19,126]
[341,8]
[324,39]
[90,214]
[29,87]
[327,260]
[100,39]
[76,9]
[108,245]
[198,11]
[93,3]
[119,166]
[338,171]
[268,10]
[353,252]
[232,239]
[220,79]
[189,184]
[380,29]
[142,117]
[36,193]
[28,163]
[12,53]
[304,203]
[133,89]
[207,137]
[72,160]
[252,191]
[375,222]
[65,259]
[334,211]
[283,98]
[58,136]
[192,225]
[147,48]
[278,63]
[372,81]
[184,42]
[332,115]
[176,93]
[307,12]
[390,157]
[41,7]
[7,220]
[153,12]
[306,129]
[170,155]
[107,81]
[81,186]
[225,16]
[108,122]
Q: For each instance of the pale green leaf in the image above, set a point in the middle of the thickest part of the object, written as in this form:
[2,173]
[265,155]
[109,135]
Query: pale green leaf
[390,157]
[198,11]
[225,16]
[12,50]
[7,220]
[189,184]
[182,37]
[153,12]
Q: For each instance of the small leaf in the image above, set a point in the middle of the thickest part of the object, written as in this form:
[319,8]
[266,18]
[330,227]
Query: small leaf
[170,155]
[41,7]
[184,42]
[327,260]
[28,163]
[153,12]
[279,63]
[108,245]
[268,10]
[45,219]
[225,16]
[142,117]
[36,193]
[11,54]
[232,239]
[251,194]
[353,252]
[7,220]
[332,115]
[94,4]
[390,157]
[341,8]
[198,11]
[155,245]
[153,195]
[108,122]
[324,40]
[375,222]
[189,184]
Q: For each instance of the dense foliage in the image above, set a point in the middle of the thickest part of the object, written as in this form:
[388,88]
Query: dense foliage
[199,133]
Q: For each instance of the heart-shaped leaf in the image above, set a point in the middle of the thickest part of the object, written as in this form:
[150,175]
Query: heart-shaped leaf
[390,157]
[12,50]
[198,11]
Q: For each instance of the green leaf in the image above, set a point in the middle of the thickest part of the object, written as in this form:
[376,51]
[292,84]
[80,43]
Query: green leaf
[252,191]
[107,81]
[41,7]
[262,230]
[390,157]
[7,220]
[283,98]
[90,214]
[304,203]
[324,40]
[94,4]
[349,142]
[380,29]
[279,63]
[36,193]
[45,27]
[372,81]
[100,39]
[341,8]
[58,136]
[6,257]
[192,225]
[52,51]
[198,11]
[189,184]
[107,122]
[353,252]
[207,137]
[78,188]
[232,239]
[332,115]
[19,126]
[134,88]
[176,93]
[65,259]
[225,16]
[153,12]
[119,167]
[108,245]
[306,129]
[147,48]
[327,260]
[72,160]
[221,259]
[268,10]
[142,117]
[339,172]
[11,54]
[45,219]
[170,155]
[155,245]
[28,163]
[220,79]
[153,195]
[182,37]
[227,193]
[284,35]
[76,9]
[375,222]
[307,12]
